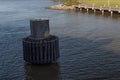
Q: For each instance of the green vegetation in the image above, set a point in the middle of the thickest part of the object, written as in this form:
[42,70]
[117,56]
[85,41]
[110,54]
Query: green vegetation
[112,3]
[70,2]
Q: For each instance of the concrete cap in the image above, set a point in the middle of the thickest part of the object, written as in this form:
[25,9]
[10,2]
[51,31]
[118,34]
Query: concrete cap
[39,28]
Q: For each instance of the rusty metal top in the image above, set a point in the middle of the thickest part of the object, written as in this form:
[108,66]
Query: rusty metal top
[39,28]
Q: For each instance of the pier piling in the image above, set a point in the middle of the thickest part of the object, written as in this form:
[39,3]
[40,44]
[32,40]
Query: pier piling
[102,12]
[95,9]
[40,47]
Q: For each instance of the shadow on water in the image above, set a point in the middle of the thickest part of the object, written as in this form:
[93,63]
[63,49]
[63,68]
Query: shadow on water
[85,59]
[42,72]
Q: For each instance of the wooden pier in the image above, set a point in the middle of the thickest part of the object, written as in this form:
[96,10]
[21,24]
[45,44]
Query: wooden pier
[102,9]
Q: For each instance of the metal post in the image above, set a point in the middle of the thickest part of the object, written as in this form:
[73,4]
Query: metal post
[39,28]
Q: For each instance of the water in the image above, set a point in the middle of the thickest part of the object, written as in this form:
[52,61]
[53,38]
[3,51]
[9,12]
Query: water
[89,43]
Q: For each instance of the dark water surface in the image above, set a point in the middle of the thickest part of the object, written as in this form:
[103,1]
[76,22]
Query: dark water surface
[89,43]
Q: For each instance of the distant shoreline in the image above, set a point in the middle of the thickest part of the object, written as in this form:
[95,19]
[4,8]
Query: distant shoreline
[62,7]
[87,7]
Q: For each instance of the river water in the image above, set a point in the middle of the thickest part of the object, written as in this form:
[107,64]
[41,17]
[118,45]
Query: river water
[89,43]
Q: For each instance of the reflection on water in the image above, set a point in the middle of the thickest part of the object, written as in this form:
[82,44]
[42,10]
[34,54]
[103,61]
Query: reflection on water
[42,72]
[99,13]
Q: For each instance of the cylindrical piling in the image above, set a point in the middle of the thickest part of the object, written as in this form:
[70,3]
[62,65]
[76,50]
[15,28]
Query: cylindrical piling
[87,10]
[94,10]
[102,12]
[40,47]
[39,28]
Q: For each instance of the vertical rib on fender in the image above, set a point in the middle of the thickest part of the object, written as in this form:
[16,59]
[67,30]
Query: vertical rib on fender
[42,51]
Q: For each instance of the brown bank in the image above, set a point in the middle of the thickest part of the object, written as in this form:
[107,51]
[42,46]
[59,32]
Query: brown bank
[62,7]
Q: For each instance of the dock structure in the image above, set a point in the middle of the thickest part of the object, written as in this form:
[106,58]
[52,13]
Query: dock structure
[102,9]
[40,47]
